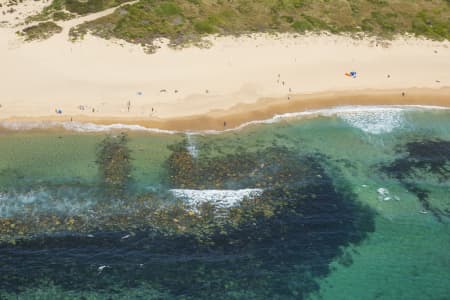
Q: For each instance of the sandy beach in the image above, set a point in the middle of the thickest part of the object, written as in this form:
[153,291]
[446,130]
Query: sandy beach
[236,79]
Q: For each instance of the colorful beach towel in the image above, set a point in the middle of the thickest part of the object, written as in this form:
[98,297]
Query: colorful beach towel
[351,74]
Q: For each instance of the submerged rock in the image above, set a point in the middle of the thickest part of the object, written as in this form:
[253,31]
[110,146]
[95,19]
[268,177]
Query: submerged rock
[294,224]
[419,160]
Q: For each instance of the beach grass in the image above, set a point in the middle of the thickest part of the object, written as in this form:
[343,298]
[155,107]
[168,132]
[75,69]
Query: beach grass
[185,21]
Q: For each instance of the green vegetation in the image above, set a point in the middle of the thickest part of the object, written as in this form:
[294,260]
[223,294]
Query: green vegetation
[186,21]
[41,31]
[62,16]
[67,9]
[90,6]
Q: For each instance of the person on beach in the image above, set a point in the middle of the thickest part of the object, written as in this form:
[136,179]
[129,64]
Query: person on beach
[128,105]
[224,123]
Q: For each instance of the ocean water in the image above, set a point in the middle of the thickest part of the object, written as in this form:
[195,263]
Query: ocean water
[347,203]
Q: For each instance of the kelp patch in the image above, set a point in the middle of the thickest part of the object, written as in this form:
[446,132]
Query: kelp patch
[273,245]
[418,161]
[270,167]
[114,165]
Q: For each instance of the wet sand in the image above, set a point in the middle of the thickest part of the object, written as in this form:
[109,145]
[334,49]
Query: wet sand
[267,108]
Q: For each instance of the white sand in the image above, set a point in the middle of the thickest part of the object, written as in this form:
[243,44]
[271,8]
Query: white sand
[38,77]
[13,15]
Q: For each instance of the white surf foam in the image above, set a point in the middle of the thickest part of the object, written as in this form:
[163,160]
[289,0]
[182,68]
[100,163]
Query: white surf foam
[355,115]
[68,201]
[377,120]
[79,126]
[220,198]
[191,147]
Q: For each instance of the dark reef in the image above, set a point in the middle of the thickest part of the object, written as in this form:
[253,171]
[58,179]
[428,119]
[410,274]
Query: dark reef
[418,159]
[273,246]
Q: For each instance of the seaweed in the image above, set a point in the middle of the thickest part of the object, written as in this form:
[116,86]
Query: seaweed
[432,156]
[272,166]
[416,159]
[275,245]
[114,163]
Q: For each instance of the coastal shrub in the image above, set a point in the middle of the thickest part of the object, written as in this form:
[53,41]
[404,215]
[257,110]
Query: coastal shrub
[90,6]
[427,25]
[384,21]
[302,26]
[167,9]
[205,26]
[378,2]
[300,3]
[41,31]
[56,5]
[183,21]
[187,21]
[57,10]
[288,19]
[61,16]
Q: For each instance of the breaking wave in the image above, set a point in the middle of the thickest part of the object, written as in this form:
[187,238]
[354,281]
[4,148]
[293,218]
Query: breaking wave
[60,200]
[376,120]
[219,198]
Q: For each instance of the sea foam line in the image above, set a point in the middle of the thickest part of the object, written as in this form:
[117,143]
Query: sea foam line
[339,111]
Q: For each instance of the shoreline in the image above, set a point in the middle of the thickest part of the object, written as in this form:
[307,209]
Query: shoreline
[261,110]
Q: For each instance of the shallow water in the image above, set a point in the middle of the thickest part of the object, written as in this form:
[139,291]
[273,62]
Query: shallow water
[348,205]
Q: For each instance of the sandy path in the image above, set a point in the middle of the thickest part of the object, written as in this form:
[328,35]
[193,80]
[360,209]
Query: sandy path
[66,25]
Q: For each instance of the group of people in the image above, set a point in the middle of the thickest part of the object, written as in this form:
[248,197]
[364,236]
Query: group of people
[283,83]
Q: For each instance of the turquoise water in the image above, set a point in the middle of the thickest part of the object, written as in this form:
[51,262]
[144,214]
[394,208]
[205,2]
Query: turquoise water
[346,205]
